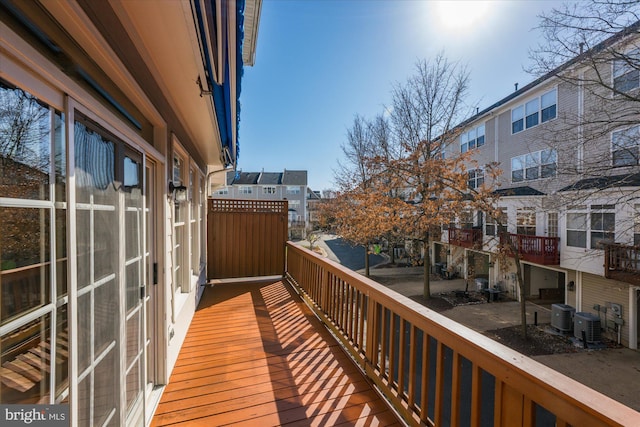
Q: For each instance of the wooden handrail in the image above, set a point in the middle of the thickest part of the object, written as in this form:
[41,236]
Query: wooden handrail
[409,350]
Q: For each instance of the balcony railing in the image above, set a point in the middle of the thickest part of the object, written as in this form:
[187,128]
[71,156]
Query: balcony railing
[537,249]
[466,237]
[434,370]
[622,262]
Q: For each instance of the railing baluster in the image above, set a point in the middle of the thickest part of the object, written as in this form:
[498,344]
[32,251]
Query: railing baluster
[476,395]
[411,389]
[455,389]
[439,398]
[424,380]
[401,352]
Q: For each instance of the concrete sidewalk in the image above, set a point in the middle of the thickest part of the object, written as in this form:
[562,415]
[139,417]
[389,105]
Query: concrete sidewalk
[612,372]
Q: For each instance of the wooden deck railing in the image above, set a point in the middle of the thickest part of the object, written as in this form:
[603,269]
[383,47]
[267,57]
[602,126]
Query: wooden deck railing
[434,370]
[465,237]
[622,262]
[539,249]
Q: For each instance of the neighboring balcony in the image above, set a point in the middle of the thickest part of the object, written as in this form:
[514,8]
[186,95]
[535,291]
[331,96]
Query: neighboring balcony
[466,237]
[536,249]
[622,262]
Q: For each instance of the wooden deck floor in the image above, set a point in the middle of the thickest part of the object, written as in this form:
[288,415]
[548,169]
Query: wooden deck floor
[256,356]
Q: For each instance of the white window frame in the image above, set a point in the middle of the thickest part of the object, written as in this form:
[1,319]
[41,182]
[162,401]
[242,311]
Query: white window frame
[534,107]
[245,189]
[268,189]
[180,273]
[631,144]
[591,241]
[475,178]
[533,162]
[552,224]
[526,219]
[293,189]
[472,139]
[621,68]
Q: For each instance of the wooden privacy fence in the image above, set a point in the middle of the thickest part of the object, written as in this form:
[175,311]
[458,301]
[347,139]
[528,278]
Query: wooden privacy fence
[436,371]
[246,238]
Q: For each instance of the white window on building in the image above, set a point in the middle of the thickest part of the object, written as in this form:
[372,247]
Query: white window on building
[624,146]
[493,226]
[591,228]
[472,139]
[626,74]
[222,191]
[535,111]
[530,166]
[517,119]
[476,178]
[180,229]
[577,229]
[244,189]
[268,189]
[293,189]
[552,224]
[526,221]
[603,225]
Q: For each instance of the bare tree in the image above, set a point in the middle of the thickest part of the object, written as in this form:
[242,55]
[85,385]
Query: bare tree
[423,114]
[357,211]
[593,49]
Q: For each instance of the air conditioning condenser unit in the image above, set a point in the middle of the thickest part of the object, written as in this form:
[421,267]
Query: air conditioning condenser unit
[589,323]
[562,317]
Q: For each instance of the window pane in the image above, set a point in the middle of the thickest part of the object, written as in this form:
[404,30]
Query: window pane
[517,176]
[627,82]
[25,145]
[609,221]
[577,238]
[547,171]
[625,138]
[531,107]
[463,148]
[548,113]
[596,221]
[26,363]
[548,99]
[577,221]
[480,141]
[95,166]
[625,157]
[60,158]
[517,113]
[517,126]
[598,237]
[480,131]
[25,268]
[517,163]
[533,173]
[532,120]
[532,159]
[548,156]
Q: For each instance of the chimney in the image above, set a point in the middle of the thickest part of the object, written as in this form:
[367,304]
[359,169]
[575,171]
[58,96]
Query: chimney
[516,86]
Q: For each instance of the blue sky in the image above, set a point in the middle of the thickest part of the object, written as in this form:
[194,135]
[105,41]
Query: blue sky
[319,63]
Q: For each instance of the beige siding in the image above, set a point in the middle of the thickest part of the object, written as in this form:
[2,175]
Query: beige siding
[601,291]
